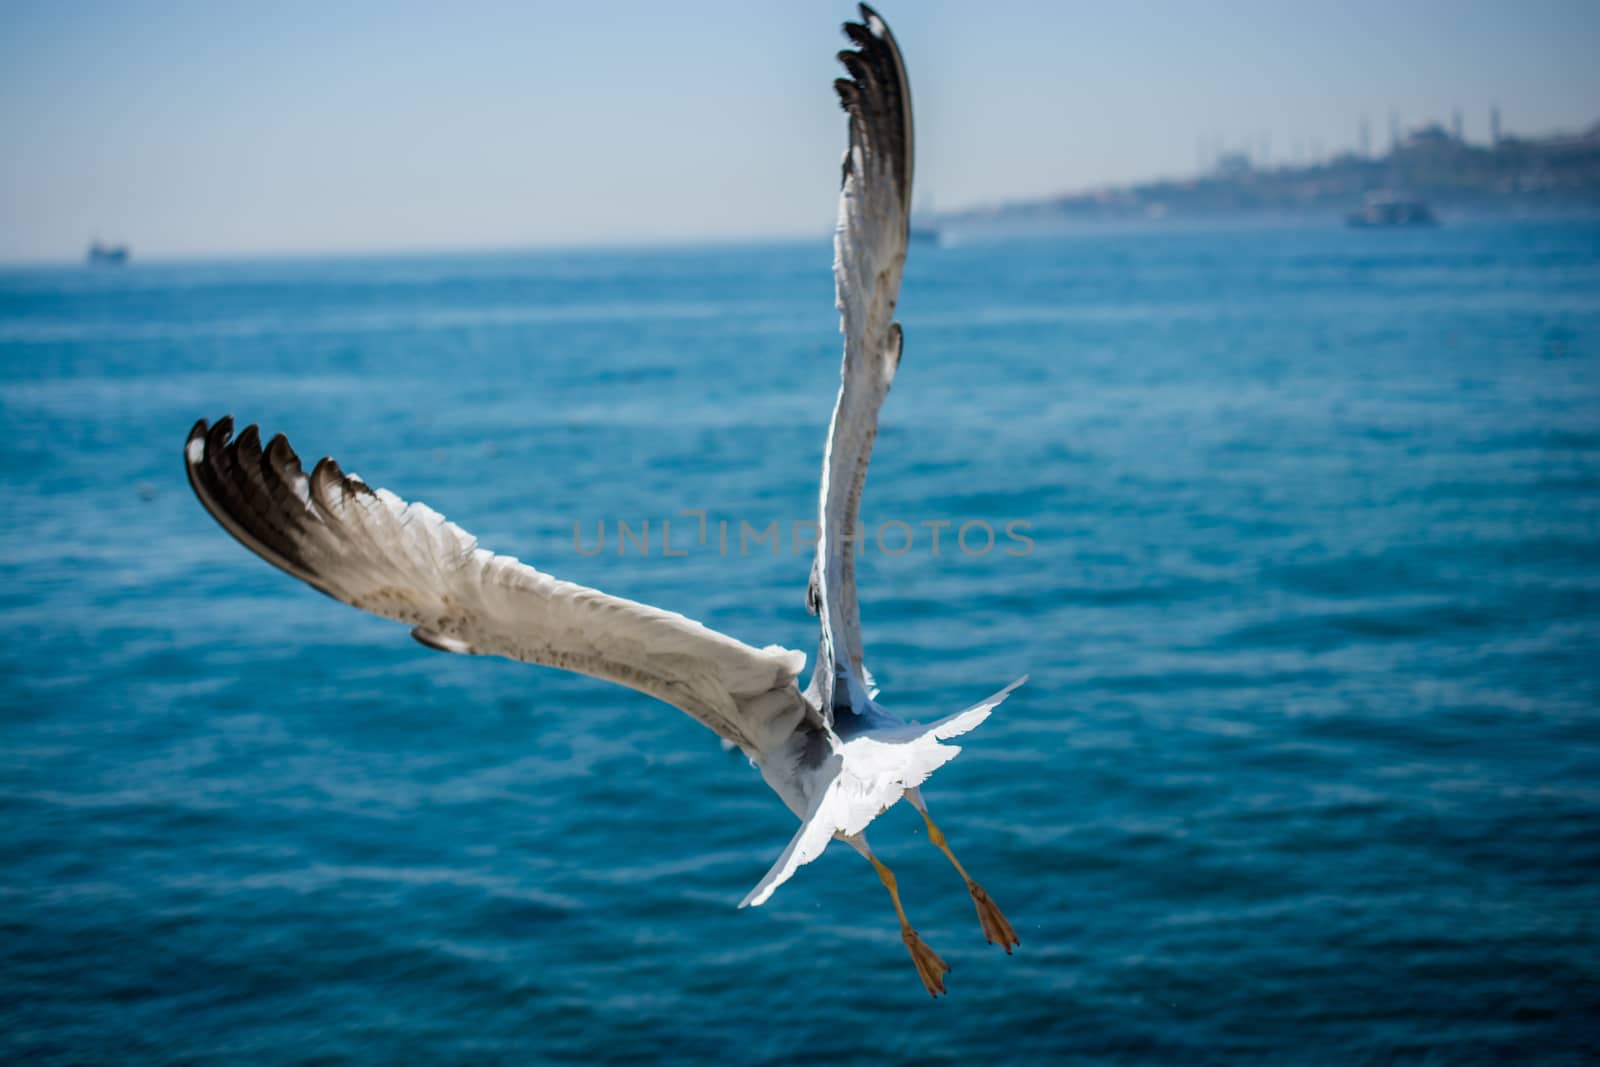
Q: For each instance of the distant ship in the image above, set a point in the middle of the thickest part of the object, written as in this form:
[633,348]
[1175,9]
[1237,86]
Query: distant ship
[1387,209]
[104,255]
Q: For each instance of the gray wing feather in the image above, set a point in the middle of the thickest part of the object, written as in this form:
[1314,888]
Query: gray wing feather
[869,256]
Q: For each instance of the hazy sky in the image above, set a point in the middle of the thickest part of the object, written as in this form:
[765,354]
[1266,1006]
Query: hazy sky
[224,128]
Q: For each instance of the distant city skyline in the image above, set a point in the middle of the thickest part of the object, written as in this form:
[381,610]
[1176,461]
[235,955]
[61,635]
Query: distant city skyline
[1259,151]
[192,129]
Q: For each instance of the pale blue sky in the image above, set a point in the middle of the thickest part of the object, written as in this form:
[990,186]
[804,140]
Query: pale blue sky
[213,128]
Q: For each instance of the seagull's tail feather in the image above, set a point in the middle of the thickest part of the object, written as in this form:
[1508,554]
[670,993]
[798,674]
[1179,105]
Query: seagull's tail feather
[951,725]
[877,768]
[806,845]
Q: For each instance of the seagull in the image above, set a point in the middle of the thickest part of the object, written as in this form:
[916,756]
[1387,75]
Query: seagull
[836,756]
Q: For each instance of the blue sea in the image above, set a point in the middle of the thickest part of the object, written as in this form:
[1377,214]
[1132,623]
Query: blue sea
[1308,770]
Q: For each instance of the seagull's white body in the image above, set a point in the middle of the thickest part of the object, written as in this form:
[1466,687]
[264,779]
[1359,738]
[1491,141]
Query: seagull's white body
[831,752]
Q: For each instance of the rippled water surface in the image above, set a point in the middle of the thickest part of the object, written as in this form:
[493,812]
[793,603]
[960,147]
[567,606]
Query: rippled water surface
[1308,769]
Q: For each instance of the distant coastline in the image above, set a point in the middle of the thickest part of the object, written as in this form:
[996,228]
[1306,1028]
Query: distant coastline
[1554,177]
[1513,177]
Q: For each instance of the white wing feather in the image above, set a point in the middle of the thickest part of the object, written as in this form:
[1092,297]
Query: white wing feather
[372,550]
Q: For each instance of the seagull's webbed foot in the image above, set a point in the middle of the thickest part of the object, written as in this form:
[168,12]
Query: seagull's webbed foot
[996,930]
[930,968]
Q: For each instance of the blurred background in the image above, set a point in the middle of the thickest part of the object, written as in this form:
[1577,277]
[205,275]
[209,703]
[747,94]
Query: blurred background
[203,129]
[1277,326]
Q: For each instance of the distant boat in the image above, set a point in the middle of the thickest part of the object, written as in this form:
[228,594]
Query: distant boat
[1385,209]
[104,255]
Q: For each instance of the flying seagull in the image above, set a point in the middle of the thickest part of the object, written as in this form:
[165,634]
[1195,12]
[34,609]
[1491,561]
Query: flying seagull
[835,756]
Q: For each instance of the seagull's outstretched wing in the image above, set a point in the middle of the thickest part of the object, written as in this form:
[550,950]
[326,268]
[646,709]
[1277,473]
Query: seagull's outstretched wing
[869,254]
[372,550]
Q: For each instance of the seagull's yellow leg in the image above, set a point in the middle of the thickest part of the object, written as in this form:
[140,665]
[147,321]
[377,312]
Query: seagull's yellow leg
[930,968]
[996,930]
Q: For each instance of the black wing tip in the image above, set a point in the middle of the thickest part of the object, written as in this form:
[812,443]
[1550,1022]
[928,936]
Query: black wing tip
[237,482]
[869,15]
[328,467]
[207,440]
[878,99]
[279,450]
[871,32]
[201,441]
[212,440]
